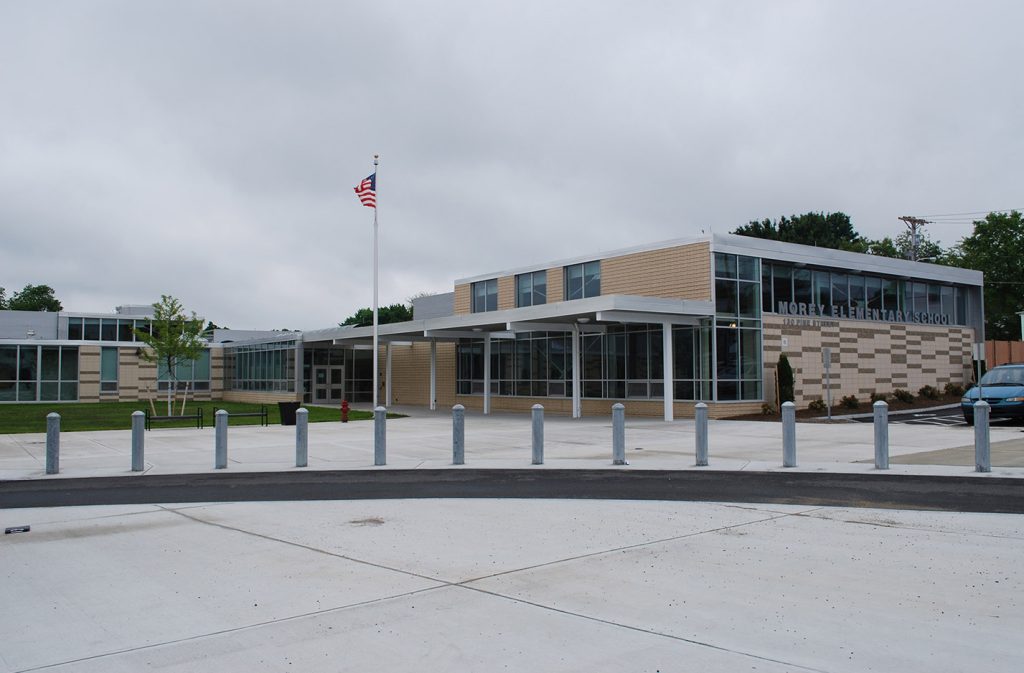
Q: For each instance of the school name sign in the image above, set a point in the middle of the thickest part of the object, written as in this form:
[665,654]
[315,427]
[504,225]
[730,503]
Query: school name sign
[841,312]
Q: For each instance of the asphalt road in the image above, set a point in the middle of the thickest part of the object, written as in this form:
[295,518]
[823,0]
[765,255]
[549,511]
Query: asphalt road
[945,493]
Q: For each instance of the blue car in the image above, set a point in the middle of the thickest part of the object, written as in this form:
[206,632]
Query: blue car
[1003,388]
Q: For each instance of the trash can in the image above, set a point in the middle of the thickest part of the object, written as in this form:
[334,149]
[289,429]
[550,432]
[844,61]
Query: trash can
[287,410]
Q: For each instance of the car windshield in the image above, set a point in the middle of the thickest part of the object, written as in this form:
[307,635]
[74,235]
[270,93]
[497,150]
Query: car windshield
[1004,376]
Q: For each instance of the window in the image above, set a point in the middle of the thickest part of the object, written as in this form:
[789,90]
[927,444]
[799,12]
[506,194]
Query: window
[738,325]
[38,373]
[485,295]
[532,288]
[193,374]
[583,280]
[108,370]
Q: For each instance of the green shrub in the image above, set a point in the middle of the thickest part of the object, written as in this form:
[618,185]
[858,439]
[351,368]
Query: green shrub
[879,397]
[786,386]
[929,392]
[954,389]
[816,406]
[849,402]
[903,395]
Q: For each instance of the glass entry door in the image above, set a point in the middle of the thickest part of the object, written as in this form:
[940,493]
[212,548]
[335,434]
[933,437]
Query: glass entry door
[328,384]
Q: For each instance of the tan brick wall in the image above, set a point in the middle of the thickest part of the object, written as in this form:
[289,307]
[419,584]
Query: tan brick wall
[506,292]
[463,299]
[556,285]
[410,374]
[88,373]
[867,357]
[136,378]
[682,272]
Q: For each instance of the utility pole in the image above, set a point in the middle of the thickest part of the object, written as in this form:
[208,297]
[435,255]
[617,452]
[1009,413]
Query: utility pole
[913,224]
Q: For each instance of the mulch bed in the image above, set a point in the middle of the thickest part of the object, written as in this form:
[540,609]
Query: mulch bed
[807,416]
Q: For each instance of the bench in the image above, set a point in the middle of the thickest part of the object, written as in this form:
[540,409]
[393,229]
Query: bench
[197,417]
[261,414]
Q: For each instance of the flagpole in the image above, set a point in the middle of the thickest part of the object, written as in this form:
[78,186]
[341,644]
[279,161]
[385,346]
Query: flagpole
[376,381]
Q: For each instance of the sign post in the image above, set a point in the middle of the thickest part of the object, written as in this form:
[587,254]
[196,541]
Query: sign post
[826,359]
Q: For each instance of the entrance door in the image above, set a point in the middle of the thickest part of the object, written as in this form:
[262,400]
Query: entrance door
[328,384]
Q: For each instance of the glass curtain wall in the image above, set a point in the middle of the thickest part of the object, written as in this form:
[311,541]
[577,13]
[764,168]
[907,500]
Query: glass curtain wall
[781,282]
[738,287]
[358,364]
[38,373]
[260,367]
[626,362]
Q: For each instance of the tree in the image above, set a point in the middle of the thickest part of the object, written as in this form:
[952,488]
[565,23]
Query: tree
[825,230]
[996,247]
[927,249]
[173,339]
[385,314]
[34,298]
[3,299]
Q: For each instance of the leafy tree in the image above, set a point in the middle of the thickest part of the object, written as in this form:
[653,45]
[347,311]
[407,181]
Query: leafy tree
[3,299]
[173,339]
[996,247]
[825,230]
[34,298]
[899,248]
[385,314]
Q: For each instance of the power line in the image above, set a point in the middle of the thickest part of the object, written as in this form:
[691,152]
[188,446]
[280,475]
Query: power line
[975,212]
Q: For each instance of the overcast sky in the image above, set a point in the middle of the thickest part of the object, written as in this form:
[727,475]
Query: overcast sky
[208,149]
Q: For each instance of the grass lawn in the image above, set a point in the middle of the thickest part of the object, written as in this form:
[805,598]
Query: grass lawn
[15,418]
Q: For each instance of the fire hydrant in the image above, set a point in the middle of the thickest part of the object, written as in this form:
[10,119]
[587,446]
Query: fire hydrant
[344,411]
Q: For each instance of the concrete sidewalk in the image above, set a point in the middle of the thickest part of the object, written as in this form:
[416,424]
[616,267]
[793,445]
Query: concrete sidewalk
[423,440]
[483,585]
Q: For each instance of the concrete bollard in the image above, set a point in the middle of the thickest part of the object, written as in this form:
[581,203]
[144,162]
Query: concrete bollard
[881,435]
[138,441]
[788,434]
[380,436]
[220,438]
[538,434]
[458,435]
[618,434]
[701,427]
[982,446]
[52,443]
[301,437]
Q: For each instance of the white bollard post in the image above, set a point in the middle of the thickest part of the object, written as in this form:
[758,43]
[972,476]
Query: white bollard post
[220,435]
[458,435]
[52,443]
[982,446]
[301,437]
[788,434]
[538,434]
[701,426]
[380,436]
[881,435]
[138,441]
[618,434]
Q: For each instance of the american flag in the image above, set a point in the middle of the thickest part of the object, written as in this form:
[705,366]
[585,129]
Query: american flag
[367,191]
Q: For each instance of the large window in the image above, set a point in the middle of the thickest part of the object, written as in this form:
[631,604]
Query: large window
[108,369]
[105,329]
[261,367]
[532,288]
[738,296]
[38,373]
[856,295]
[626,362]
[583,280]
[190,374]
[485,295]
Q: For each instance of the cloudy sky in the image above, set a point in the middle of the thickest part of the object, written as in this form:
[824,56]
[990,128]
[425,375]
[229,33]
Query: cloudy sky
[208,149]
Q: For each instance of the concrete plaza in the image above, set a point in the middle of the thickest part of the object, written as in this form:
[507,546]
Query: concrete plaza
[483,585]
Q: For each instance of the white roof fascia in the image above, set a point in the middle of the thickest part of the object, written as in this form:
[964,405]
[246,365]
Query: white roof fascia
[810,255]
